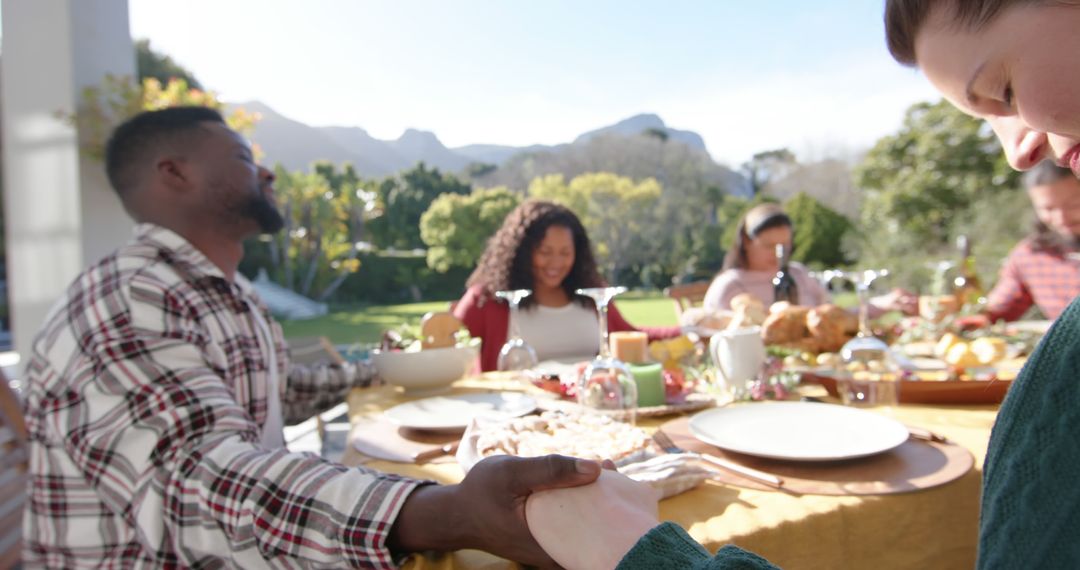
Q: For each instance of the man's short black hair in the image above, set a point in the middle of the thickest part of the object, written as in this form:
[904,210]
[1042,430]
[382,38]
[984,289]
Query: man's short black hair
[136,139]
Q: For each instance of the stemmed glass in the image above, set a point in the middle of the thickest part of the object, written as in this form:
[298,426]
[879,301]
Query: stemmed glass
[607,384]
[515,354]
[871,353]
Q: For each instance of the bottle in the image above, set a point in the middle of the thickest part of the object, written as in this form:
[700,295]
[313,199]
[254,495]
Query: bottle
[784,286]
[966,286]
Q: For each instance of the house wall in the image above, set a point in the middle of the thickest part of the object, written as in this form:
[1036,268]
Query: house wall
[60,214]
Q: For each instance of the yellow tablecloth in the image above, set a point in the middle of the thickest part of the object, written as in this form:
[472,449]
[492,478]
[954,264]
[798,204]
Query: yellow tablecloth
[935,528]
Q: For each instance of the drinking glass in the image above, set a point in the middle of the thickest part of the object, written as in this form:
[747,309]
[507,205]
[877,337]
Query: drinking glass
[870,372]
[515,354]
[607,385]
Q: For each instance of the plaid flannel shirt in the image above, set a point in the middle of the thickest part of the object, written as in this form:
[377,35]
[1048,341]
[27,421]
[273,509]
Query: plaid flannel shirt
[145,400]
[1032,276]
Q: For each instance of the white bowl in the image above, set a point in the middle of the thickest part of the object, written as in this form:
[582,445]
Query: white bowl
[427,371]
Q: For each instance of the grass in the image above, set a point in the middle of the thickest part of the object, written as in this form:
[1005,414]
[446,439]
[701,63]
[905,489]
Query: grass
[365,325]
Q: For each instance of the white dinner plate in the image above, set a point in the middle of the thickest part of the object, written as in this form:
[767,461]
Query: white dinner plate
[798,431]
[446,413]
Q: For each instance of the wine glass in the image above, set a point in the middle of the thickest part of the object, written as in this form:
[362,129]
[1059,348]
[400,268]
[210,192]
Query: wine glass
[515,354]
[607,384]
[870,370]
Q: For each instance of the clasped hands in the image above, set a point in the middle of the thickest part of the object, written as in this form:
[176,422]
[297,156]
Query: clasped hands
[542,511]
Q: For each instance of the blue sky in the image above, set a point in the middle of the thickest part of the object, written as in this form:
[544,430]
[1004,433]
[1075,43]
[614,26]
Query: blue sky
[747,76]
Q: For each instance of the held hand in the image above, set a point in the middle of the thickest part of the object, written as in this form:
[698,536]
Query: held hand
[592,526]
[898,300]
[486,510]
[972,322]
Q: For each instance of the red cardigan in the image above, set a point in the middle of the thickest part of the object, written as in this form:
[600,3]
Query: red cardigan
[489,318]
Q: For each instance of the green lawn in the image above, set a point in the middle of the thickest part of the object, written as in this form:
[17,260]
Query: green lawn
[365,325]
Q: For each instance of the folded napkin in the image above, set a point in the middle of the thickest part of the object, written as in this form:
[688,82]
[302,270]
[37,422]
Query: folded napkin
[670,474]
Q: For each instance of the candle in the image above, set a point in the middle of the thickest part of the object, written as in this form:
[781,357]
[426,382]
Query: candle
[650,384]
[629,346]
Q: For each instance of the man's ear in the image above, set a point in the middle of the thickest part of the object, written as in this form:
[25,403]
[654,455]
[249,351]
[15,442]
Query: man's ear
[173,172]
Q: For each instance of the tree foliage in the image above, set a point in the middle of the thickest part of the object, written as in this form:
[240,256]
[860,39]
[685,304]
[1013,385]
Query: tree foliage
[151,64]
[118,98]
[819,232]
[326,215]
[767,166]
[405,198]
[456,227]
[939,164]
[942,174]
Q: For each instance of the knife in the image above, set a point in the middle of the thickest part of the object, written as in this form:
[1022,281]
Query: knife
[428,455]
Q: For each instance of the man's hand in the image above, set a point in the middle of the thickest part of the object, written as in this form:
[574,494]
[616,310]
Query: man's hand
[486,510]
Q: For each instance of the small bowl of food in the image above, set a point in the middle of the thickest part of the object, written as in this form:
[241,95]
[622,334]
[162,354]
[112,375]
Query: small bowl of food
[428,360]
[424,371]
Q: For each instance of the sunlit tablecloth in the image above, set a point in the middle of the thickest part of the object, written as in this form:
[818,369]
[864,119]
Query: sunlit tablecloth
[934,528]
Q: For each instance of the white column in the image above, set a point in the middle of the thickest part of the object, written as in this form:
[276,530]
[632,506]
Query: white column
[60,214]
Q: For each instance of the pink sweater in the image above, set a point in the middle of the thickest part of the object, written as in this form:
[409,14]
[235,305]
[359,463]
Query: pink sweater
[733,282]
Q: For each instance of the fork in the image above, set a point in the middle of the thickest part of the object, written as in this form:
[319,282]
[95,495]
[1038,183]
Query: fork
[664,441]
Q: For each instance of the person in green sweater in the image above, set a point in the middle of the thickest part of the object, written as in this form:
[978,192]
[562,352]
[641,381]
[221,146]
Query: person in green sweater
[1016,64]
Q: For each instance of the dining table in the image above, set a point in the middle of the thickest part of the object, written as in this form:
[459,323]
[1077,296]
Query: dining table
[935,527]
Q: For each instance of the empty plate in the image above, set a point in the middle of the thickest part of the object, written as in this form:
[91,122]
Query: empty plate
[798,431]
[446,413]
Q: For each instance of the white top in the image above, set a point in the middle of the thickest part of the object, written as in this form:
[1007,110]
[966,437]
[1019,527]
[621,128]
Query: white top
[558,333]
[759,284]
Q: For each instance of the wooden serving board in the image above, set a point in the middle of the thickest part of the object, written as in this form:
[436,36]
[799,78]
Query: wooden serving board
[934,391]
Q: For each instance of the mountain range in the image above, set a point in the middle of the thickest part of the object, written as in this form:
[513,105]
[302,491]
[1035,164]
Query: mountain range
[296,145]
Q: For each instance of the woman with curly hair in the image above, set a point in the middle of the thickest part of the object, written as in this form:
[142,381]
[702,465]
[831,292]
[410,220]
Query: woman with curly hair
[541,246]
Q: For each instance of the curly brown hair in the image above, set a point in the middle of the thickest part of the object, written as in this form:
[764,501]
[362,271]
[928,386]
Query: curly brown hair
[507,260]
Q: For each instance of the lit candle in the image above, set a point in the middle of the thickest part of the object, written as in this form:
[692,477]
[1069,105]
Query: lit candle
[650,384]
[629,346]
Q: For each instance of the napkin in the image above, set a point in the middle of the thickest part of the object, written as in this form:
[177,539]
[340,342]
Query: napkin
[670,474]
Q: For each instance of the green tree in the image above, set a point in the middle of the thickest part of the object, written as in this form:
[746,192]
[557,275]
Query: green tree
[151,64]
[326,217]
[927,183]
[938,164]
[118,98]
[767,166]
[456,227]
[404,198]
[819,231]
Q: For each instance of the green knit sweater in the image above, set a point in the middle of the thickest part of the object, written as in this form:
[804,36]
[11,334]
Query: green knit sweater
[668,546]
[1031,480]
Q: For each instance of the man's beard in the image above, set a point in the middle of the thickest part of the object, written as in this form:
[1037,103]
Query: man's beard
[264,213]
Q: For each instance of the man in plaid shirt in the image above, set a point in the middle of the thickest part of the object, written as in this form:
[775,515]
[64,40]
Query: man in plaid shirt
[158,386]
[1043,269]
